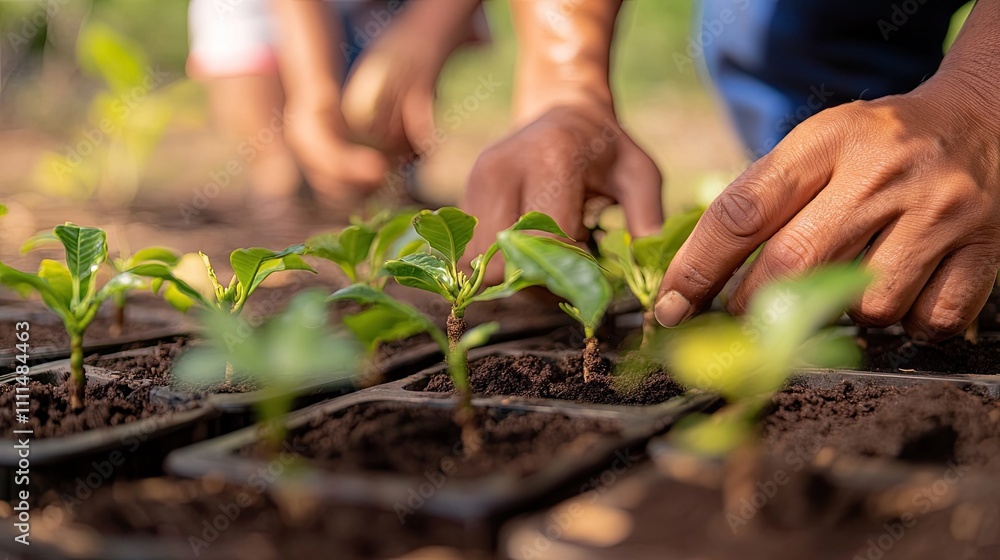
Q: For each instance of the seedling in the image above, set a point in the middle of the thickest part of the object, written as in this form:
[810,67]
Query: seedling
[447,232]
[568,272]
[124,264]
[641,262]
[387,319]
[70,291]
[295,346]
[118,266]
[360,249]
[747,359]
[250,268]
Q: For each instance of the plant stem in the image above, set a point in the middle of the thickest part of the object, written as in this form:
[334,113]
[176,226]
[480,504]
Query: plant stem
[972,332]
[229,371]
[648,328]
[591,358]
[465,414]
[456,327]
[77,379]
[118,324]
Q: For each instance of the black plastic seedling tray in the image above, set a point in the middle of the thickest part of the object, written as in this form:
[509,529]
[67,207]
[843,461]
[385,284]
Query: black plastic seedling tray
[78,463]
[461,500]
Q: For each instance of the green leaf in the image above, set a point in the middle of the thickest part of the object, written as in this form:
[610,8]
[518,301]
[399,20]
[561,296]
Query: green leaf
[513,283]
[179,293]
[252,266]
[3,210]
[477,336]
[447,230]
[655,252]
[795,309]
[381,323]
[538,221]
[397,231]
[348,247]
[119,284]
[24,283]
[43,237]
[86,250]
[158,254]
[617,245]
[565,270]
[423,271]
[714,435]
[367,295]
[60,282]
[103,51]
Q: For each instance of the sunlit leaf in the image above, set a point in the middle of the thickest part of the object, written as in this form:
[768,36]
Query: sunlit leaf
[86,250]
[252,266]
[538,221]
[423,271]
[448,230]
[565,270]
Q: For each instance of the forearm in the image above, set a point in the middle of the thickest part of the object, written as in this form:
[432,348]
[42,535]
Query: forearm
[564,51]
[445,23]
[971,69]
[307,55]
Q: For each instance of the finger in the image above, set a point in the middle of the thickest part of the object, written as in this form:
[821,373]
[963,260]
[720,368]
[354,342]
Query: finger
[637,185]
[493,195]
[418,122]
[954,295]
[834,227]
[556,188]
[901,260]
[762,200]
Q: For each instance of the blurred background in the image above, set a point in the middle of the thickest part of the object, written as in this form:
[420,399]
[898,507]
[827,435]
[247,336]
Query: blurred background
[67,66]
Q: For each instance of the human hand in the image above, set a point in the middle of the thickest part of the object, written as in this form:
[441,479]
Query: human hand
[557,163]
[913,181]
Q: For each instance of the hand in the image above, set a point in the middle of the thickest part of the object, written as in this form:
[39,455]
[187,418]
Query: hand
[388,102]
[914,179]
[342,173]
[555,165]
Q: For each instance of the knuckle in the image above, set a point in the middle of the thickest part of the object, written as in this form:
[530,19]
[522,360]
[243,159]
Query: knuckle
[944,321]
[739,211]
[877,312]
[960,201]
[787,254]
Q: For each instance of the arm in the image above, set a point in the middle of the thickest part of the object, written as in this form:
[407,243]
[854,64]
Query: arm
[315,129]
[567,147]
[912,181]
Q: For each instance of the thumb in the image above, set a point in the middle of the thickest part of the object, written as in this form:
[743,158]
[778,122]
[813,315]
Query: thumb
[418,121]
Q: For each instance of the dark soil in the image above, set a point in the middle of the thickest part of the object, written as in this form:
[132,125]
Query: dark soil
[411,440]
[562,378]
[933,423]
[181,514]
[891,353]
[670,519]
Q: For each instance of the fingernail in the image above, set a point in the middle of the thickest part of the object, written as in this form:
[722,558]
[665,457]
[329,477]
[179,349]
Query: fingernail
[673,309]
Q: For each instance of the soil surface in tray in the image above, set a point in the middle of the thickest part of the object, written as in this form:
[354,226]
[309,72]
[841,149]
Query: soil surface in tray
[655,517]
[562,378]
[120,401]
[412,440]
[927,423]
[158,513]
[955,355]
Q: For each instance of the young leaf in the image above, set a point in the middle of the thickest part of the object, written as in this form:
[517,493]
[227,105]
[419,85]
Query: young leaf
[477,336]
[23,283]
[179,294]
[252,266]
[423,271]
[86,250]
[157,254]
[44,237]
[565,270]
[447,230]
[401,312]
[538,221]
[513,283]
[397,232]
[348,247]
